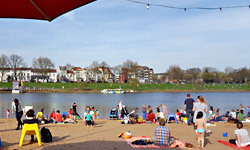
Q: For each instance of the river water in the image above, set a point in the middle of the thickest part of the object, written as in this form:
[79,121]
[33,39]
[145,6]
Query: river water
[104,103]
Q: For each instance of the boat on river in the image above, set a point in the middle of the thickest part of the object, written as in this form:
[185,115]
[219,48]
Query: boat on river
[112,91]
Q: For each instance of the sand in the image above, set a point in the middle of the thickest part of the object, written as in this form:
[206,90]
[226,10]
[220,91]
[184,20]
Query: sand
[104,135]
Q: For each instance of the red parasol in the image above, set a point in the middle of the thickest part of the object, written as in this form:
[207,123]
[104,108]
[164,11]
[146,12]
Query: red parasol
[38,9]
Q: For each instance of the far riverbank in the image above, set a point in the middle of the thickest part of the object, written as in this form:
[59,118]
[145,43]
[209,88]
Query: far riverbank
[142,91]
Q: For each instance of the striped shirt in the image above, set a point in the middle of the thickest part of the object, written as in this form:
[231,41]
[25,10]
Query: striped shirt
[162,134]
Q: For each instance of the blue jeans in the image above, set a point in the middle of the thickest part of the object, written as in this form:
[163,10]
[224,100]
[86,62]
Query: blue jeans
[190,115]
[18,118]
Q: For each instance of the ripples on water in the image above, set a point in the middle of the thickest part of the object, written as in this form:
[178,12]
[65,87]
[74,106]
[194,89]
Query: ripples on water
[104,103]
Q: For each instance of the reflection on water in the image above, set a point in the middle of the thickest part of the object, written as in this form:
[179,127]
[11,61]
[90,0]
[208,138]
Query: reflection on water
[104,103]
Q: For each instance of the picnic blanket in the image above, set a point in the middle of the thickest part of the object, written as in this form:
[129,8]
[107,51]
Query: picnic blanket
[134,138]
[233,146]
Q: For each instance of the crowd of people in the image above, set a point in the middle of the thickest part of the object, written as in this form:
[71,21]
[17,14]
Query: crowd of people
[194,113]
[72,116]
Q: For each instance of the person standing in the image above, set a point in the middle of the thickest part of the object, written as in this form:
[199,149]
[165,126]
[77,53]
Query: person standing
[120,109]
[200,106]
[164,110]
[18,108]
[189,104]
[74,113]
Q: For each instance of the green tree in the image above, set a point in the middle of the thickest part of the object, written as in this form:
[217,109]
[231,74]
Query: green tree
[134,83]
[83,86]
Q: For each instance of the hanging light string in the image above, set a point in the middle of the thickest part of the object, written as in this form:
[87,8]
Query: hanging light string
[186,8]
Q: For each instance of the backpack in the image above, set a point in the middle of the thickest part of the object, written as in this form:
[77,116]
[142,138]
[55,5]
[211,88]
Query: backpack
[46,135]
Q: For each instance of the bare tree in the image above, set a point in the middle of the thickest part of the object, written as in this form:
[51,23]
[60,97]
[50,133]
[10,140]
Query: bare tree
[94,64]
[116,69]
[16,61]
[43,65]
[129,63]
[69,66]
[192,74]
[229,70]
[175,72]
[3,64]
[104,64]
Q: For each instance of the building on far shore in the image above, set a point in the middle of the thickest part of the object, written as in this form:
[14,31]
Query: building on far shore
[143,73]
[29,75]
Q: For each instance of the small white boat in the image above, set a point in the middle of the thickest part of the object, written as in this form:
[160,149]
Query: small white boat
[112,91]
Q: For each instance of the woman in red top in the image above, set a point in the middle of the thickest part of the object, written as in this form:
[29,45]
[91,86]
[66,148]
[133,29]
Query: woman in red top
[52,115]
[151,116]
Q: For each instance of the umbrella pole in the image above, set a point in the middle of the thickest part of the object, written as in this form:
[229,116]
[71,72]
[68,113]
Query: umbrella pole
[40,10]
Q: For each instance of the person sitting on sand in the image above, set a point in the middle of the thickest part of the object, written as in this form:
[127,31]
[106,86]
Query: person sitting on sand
[70,113]
[151,116]
[89,119]
[31,120]
[52,115]
[162,134]
[200,122]
[232,114]
[242,137]
[227,113]
[58,116]
[149,108]
[248,111]
[177,114]
[144,111]
[240,116]
[157,114]
[182,114]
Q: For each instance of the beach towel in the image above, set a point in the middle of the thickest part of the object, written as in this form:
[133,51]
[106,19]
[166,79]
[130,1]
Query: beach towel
[233,146]
[134,138]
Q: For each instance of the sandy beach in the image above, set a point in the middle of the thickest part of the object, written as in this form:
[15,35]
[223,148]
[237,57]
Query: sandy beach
[104,135]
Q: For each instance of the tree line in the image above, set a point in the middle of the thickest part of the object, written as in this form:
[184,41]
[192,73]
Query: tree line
[207,75]
[42,64]
[174,72]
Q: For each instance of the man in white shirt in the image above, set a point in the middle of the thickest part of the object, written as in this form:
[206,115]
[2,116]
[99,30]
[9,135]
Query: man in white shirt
[18,108]
[120,109]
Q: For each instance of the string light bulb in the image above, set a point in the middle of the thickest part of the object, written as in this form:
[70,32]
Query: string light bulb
[185,9]
[147,6]
[220,9]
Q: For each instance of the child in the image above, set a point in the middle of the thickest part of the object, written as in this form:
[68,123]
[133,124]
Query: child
[8,113]
[58,116]
[177,114]
[201,128]
[30,120]
[93,112]
[88,119]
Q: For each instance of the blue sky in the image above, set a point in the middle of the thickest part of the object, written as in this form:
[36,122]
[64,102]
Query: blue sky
[117,30]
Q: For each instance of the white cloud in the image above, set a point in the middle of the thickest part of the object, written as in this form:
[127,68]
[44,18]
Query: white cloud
[70,15]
